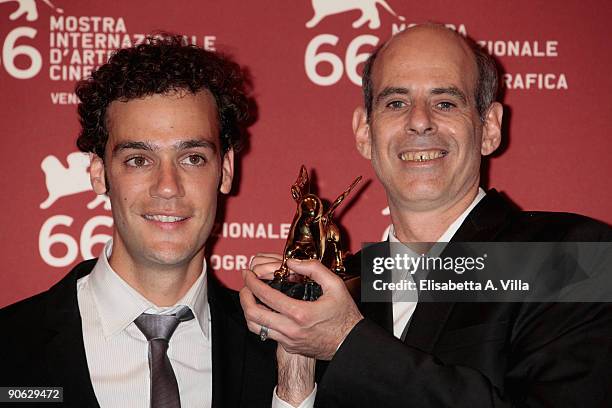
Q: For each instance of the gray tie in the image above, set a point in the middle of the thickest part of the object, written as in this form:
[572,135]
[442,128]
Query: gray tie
[158,329]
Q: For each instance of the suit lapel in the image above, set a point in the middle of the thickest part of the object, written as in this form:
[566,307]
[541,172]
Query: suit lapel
[64,348]
[66,363]
[243,367]
[486,219]
[228,348]
[482,224]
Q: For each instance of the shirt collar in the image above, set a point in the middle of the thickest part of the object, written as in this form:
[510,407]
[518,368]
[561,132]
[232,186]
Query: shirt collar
[454,227]
[119,304]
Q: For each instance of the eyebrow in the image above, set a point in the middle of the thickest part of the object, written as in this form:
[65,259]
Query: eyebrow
[195,143]
[391,91]
[133,146]
[181,145]
[451,90]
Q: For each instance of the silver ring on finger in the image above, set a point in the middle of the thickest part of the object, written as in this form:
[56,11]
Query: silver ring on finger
[263,333]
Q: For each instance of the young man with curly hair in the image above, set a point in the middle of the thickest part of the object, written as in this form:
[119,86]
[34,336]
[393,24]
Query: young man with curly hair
[146,325]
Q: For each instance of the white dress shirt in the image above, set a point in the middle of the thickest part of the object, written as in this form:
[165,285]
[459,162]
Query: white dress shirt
[403,310]
[117,351]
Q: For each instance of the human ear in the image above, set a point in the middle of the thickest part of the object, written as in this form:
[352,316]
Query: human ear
[227,171]
[361,129]
[491,131]
[96,174]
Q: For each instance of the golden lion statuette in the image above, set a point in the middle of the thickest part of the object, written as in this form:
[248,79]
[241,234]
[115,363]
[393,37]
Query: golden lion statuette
[313,235]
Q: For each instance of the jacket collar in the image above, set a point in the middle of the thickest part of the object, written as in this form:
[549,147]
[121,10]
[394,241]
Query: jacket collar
[482,224]
[65,351]
[244,367]
[64,348]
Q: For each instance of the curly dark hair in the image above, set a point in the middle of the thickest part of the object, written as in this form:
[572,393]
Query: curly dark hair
[161,64]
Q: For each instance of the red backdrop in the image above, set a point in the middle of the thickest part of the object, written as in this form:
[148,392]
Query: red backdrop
[556,154]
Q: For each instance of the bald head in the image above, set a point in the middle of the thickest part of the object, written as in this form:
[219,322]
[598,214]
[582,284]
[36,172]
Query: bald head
[440,45]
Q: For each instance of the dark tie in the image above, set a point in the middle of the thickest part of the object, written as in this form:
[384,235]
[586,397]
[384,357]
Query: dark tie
[158,329]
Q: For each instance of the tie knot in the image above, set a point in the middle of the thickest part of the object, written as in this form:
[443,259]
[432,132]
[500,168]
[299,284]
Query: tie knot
[161,327]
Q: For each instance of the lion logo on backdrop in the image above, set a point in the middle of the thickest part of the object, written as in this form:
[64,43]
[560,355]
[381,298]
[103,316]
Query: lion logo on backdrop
[64,181]
[29,9]
[368,8]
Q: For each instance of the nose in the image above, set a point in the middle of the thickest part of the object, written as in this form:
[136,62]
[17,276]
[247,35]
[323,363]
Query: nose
[420,120]
[167,183]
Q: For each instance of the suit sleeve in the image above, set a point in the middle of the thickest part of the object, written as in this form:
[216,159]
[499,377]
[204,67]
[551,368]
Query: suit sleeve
[558,355]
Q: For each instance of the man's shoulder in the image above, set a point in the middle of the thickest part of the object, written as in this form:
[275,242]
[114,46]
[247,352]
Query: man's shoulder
[557,226]
[498,218]
[25,333]
[31,306]
[35,307]
[30,325]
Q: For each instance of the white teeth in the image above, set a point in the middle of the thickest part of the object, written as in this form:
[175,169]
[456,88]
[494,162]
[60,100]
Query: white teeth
[422,156]
[163,218]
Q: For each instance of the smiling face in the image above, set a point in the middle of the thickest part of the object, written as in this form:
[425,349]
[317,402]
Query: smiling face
[425,137]
[163,165]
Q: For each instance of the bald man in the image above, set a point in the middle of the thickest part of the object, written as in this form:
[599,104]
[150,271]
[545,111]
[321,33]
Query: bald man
[430,116]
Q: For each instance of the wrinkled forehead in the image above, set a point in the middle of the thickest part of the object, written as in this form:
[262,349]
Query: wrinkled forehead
[428,52]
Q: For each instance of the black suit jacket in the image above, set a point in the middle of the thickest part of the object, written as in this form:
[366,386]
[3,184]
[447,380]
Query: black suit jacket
[482,354]
[41,344]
